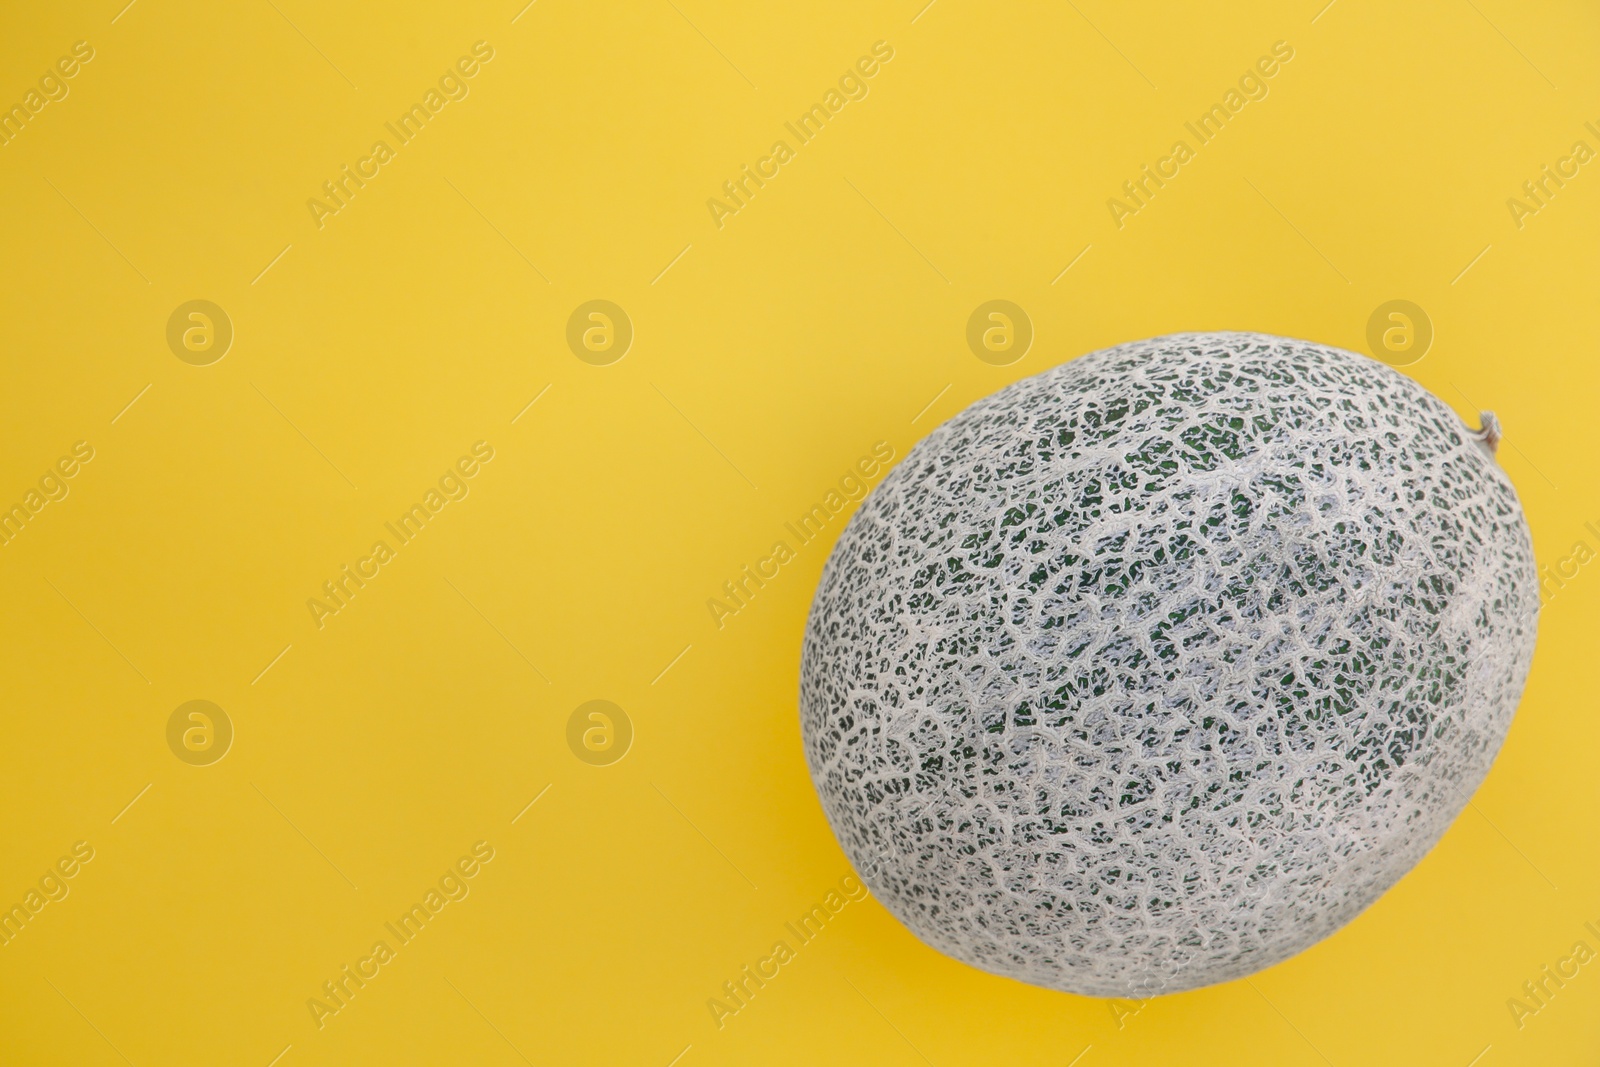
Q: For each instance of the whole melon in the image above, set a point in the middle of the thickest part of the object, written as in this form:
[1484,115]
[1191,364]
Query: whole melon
[1154,669]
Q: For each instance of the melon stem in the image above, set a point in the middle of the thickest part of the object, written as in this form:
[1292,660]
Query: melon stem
[1488,433]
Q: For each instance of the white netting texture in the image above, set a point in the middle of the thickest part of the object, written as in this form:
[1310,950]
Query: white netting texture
[1151,670]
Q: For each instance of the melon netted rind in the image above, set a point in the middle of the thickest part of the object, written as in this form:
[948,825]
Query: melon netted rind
[1156,668]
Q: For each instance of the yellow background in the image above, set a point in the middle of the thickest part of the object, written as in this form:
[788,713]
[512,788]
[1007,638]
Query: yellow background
[823,317]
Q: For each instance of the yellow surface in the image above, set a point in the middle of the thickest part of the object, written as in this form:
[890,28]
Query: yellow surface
[375,346]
